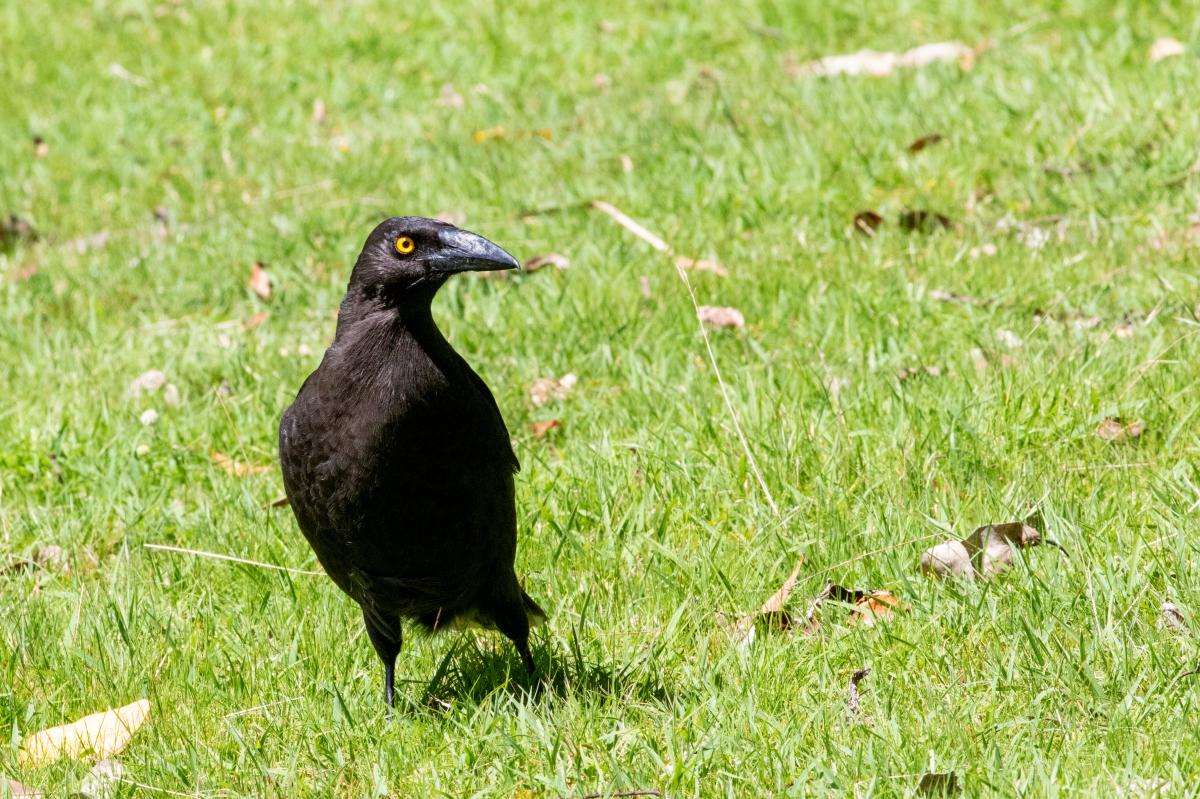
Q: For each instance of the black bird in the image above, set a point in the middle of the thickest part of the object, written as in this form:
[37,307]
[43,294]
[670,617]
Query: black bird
[396,460]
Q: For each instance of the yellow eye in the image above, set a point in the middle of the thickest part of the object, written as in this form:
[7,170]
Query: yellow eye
[405,245]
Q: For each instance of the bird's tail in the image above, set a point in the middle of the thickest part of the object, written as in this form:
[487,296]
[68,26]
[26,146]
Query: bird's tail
[533,611]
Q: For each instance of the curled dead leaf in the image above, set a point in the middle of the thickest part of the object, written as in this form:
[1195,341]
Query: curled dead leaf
[542,428]
[720,316]
[1165,47]
[986,552]
[927,140]
[922,221]
[260,281]
[772,611]
[1170,617]
[544,389]
[101,734]
[879,64]
[867,222]
[873,606]
[236,468]
[554,259]
[1117,430]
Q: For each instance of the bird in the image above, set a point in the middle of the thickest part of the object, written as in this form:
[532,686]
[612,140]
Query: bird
[396,460]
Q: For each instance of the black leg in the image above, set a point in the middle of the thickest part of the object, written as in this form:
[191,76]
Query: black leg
[384,632]
[526,656]
[389,686]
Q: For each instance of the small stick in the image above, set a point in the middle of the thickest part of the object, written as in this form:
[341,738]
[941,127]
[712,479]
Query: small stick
[217,556]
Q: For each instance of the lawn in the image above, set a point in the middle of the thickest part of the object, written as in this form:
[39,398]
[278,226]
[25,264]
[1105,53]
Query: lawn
[153,152]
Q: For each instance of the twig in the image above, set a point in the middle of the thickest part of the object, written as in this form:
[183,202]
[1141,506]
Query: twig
[654,241]
[852,703]
[218,556]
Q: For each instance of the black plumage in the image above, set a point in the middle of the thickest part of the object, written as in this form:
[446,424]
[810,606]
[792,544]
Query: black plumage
[396,460]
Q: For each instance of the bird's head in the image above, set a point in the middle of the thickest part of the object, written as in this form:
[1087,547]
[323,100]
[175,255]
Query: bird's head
[410,257]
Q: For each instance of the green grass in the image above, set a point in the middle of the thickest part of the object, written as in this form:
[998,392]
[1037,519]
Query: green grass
[640,520]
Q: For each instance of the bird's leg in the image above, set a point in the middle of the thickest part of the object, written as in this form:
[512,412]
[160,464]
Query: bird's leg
[389,686]
[526,656]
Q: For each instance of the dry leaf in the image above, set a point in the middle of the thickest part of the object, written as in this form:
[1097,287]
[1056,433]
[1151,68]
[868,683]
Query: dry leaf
[925,141]
[450,98]
[544,389]
[879,64]
[260,281]
[772,611]
[15,230]
[234,467]
[986,552]
[1166,47]
[549,259]
[40,148]
[853,707]
[701,265]
[1009,338]
[18,791]
[540,429]
[1171,618]
[867,222]
[1117,430]
[933,784]
[147,382]
[256,320]
[922,221]
[873,606]
[719,316]
[100,734]
[102,780]
[918,371]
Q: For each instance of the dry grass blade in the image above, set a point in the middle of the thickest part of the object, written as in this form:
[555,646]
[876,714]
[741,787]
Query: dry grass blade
[236,468]
[217,556]
[681,262]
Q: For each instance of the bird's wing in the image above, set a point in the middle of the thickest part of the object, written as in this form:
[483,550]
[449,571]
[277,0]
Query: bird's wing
[491,401]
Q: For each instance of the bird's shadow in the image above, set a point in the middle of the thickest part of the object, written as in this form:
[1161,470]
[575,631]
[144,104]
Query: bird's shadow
[473,671]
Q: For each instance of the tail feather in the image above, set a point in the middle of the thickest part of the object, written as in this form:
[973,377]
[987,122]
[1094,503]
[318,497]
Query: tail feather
[533,611]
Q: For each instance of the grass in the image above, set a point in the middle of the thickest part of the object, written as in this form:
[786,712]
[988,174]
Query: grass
[640,519]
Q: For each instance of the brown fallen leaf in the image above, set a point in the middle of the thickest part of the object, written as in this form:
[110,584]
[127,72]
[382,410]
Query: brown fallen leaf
[1117,430]
[853,707]
[934,784]
[869,606]
[927,140]
[542,428]
[18,791]
[922,221]
[101,735]
[880,64]
[873,606]
[15,230]
[986,552]
[544,389]
[260,281]
[719,316]
[772,612]
[236,468]
[549,259]
[867,222]
[907,373]
[450,98]
[1170,617]
[255,320]
[1165,47]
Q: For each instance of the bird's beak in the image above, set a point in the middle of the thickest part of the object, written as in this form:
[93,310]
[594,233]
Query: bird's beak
[463,251]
